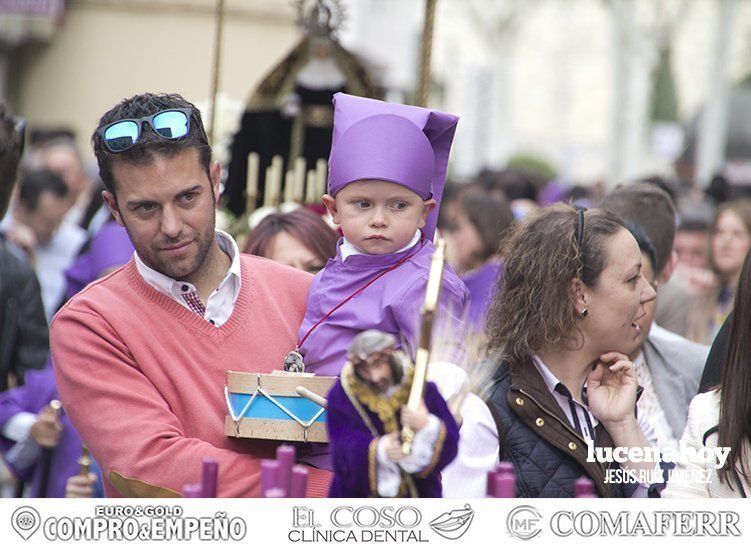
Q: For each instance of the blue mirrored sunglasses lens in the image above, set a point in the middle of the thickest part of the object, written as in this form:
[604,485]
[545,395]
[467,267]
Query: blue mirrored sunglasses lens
[171,124]
[121,135]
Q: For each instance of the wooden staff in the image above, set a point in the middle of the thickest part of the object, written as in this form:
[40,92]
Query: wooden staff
[299,184]
[219,19]
[46,460]
[251,187]
[426,49]
[84,462]
[311,195]
[422,357]
[320,178]
[289,186]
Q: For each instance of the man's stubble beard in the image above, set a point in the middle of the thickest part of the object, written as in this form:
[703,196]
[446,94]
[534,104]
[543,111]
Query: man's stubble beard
[204,246]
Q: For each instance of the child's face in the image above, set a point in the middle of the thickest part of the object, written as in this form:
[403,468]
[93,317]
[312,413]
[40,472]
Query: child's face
[378,217]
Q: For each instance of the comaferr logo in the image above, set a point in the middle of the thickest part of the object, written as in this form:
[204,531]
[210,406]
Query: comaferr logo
[524,522]
[452,525]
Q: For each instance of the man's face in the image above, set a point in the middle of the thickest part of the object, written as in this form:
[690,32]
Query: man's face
[63,161]
[46,218]
[692,248]
[377,372]
[378,217]
[168,208]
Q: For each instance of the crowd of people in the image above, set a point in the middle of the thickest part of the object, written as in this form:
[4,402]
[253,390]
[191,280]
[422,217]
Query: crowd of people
[577,317]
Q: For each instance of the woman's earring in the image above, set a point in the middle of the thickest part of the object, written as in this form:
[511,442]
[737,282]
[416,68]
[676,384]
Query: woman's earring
[584,312]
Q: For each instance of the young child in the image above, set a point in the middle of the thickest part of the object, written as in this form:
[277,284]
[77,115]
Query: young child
[387,170]
[366,408]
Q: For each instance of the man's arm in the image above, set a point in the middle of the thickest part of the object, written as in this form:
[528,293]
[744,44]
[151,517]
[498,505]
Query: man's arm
[32,342]
[129,427]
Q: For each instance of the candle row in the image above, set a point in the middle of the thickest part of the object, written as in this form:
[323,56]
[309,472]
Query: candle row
[207,488]
[501,483]
[297,186]
[280,479]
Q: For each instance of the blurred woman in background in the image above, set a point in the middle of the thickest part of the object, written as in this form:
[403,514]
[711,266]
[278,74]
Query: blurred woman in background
[300,239]
[730,241]
[474,237]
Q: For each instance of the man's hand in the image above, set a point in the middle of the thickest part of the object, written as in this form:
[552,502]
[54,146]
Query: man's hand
[416,419]
[393,447]
[80,486]
[47,430]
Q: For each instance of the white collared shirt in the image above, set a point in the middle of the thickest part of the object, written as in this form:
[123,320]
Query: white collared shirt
[581,418]
[347,249]
[220,303]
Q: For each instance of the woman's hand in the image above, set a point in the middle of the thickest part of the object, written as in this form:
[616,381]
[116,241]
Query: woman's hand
[611,390]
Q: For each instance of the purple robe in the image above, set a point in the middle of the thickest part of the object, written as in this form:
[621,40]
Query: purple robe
[109,248]
[482,287]
[40,388]
[353,457]
[392,304]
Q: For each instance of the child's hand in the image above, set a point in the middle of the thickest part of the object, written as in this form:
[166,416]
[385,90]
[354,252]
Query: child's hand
[415,419]
[80,486]
[393,447]
[47,429]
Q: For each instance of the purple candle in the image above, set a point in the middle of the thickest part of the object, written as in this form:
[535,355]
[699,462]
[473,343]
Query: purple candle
[584,487]
[208,478]
[192,491]
[299,482]
[285,455]
[275,493]
[503,467]
[505,486]
[269,473]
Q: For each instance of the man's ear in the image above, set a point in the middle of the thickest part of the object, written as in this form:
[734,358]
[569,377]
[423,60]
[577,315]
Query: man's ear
[215,173]
[669,268]
[330,204]
[427,207]
[579,295]
[109,199]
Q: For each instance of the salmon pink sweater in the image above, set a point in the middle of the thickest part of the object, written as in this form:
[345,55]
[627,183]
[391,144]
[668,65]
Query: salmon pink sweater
[141,377]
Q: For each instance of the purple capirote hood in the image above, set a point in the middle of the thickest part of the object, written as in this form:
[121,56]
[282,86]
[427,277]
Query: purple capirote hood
[391,142]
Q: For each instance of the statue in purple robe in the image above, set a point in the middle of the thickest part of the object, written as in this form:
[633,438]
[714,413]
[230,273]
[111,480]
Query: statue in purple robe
[366,410]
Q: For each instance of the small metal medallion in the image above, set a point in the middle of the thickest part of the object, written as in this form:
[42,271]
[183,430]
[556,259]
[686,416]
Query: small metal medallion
[293,362]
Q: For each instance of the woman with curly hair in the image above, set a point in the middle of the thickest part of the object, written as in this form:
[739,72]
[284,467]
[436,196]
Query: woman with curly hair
[568,307]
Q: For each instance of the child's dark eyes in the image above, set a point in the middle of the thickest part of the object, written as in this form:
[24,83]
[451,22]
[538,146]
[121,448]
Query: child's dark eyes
[400,205]
[363,204]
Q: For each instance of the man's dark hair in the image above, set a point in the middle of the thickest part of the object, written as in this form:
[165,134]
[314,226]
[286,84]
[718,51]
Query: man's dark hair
[650,208]
[11,147]
[645,246]
[150,144]
[693,225]
[35,184]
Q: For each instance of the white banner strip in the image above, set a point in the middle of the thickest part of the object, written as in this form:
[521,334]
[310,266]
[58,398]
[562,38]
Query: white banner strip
[284,521]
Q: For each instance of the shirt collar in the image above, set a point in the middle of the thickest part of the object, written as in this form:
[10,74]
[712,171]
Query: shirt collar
[170,286]
[347,249]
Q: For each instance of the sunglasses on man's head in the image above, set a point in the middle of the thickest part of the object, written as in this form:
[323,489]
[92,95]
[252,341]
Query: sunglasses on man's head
[124,134]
